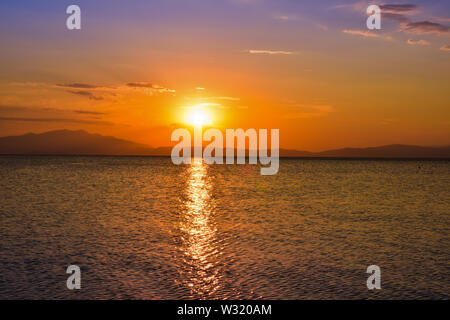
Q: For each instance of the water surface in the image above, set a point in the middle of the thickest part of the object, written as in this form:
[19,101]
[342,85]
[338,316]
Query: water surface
[143,228]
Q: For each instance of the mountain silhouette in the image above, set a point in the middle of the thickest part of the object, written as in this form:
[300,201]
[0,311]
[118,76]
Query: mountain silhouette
[389,151]
[70,142]
[67,142]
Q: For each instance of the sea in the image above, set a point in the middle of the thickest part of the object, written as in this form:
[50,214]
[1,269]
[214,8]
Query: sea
[144,228]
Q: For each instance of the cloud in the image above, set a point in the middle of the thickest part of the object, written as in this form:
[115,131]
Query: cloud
[425,27]
[418,42]
[140,86]
[86,94]
[78,86]
[391,11]
[65,120]
[399,12]
[89,112]
[443,19]
[284,17]
[131,85]
[357,6]
[398,8]
[395,16]
[445,48]
[366,34]
[11,109]
[270,52]
[149,86]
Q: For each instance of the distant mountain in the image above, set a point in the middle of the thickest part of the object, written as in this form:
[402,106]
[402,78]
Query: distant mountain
[67,142]
[70,142]
[390,151]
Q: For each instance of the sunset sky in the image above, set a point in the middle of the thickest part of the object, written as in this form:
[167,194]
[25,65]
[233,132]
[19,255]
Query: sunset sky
[138,69]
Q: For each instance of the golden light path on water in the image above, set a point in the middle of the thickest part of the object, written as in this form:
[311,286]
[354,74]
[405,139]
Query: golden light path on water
[199,234]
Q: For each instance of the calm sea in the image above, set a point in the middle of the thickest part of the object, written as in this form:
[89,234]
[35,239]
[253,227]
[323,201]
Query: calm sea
[142,228]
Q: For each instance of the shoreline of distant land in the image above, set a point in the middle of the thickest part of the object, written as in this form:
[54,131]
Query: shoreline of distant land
[82,143]
[168,157]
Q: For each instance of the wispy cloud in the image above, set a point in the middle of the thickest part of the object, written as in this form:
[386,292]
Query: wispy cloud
[285,17]
[399,8]
[425,27]
[367,34]
[150,86]
[136,85]
[361,6]
[12,110]
[357,6]
[62,120]
[78,86]
[271,52]
[89,112]
[400,13]
[140,85]
[418,42]
[86,94]
[445,48]
[443,19]
[395,16]
[102,92]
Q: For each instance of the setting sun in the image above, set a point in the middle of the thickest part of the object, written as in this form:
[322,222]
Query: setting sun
[199,118]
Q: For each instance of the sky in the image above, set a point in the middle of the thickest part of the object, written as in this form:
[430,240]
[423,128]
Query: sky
[138,69]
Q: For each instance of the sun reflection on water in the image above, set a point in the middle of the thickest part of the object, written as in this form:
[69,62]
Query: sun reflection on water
[199,234]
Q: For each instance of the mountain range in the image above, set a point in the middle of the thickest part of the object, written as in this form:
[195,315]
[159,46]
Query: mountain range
[67,142]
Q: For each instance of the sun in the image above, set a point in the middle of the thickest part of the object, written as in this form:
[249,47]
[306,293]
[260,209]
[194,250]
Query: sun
[199,118]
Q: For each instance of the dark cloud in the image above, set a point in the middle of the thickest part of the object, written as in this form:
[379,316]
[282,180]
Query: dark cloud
[89,112]
[397,12]
[147,85]
[394,16]
[86,94]
[65,120]
[398,8]
[141,85]
[12,109]
[78,86]
[4,108]
[85,89]
[422,27]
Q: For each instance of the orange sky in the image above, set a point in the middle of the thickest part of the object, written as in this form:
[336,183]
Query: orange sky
[252,66]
